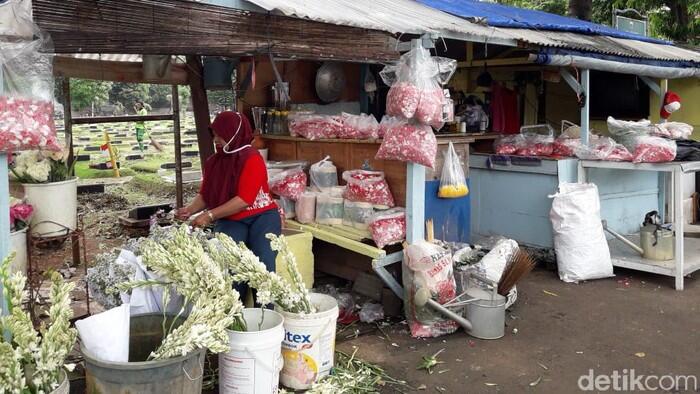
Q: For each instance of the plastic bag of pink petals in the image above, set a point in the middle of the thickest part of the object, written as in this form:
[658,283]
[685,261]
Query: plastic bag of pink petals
[368,186]
[315,127]
[416,91]
[386,123]
[359,127]
[415,143]
[26,103]
[388,227]
[289,183]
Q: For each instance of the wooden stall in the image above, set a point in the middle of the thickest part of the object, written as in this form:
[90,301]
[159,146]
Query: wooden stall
[353,154]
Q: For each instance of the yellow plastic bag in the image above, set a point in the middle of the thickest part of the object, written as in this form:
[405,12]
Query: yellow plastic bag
[453,183]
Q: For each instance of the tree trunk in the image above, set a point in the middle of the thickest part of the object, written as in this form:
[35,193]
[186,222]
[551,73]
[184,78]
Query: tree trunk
[581,9]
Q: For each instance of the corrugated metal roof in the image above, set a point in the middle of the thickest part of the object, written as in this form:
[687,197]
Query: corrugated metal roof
[501,15]
[603,44]
[407,16]
[393,16]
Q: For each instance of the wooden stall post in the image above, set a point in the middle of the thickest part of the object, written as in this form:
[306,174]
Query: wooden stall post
[586,109]
[415,192]
[178,148]
[200,107]
[68,120]
[5,218]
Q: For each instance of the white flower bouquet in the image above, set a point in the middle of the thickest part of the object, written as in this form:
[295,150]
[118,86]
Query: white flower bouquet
[37,166]
[292,296]
[31,361]
[181,258]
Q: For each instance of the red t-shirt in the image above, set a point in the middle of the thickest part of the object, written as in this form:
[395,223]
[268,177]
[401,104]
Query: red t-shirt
[253,189]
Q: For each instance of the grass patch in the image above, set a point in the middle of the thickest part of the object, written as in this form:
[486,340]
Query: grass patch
[83,171]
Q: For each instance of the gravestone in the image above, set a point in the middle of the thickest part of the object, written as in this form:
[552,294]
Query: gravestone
[171,166]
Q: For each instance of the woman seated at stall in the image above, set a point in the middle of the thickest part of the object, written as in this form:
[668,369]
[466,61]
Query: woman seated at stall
[234,195]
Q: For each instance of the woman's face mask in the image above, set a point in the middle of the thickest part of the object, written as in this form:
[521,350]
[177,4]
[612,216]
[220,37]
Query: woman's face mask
[222,144]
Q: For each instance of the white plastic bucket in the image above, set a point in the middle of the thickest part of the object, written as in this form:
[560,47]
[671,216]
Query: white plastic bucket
[309,343]
[55,206]
[253,363]
[18,242]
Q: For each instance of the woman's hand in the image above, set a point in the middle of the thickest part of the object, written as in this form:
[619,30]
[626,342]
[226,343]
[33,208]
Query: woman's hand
[202,220]
[183,213]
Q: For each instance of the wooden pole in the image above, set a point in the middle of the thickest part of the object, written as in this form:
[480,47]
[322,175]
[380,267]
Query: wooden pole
[4,218]
[200,107]
[68,121]
[178,149]
[112,155]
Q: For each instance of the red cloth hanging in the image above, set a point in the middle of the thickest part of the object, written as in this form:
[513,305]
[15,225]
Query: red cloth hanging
[505,112]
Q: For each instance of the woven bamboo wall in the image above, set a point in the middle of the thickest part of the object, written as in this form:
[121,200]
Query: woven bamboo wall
[189,28]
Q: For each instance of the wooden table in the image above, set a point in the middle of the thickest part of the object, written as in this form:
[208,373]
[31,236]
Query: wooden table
[352,154]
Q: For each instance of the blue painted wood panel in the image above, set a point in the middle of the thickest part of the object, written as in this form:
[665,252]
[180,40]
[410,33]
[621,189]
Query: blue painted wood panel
[513,201]
[451,216]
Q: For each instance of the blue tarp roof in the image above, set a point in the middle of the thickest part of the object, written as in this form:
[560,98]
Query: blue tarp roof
[500,15]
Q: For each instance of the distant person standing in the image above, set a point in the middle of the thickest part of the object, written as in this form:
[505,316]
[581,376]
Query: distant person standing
[140,125]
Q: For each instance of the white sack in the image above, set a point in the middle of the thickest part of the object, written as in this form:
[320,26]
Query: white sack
[146,299]
[105,336]
[579,240]
[495,261]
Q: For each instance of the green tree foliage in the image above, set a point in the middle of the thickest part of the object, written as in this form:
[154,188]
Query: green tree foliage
[85,93]
[677,20]
[128,94]
[558,7]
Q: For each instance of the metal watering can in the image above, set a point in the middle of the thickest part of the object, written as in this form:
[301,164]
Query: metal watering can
[479,311]
[656,240]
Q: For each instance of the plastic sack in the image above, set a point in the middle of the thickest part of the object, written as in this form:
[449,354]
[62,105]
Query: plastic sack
[622,128]
[324,175]
[26,103]
[602,148]
[408,142]
[105,336]
[305,208]
[358,214]
[565,146]
[648,149]
[288,183]
[368,186]
[386,123]
[538,140]
[673,130]
[402,100]
[371,312]
[430,107]
[493,264]
[329,209]
[288,207]
[388,227]
[453,183]
[508,145]
[360,127]
[16,18]
[314,127]
[416,86]
[579,242]
[427,265]
[147,299]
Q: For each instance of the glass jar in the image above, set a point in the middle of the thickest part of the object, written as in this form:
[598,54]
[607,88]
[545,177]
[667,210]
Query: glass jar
[284,122]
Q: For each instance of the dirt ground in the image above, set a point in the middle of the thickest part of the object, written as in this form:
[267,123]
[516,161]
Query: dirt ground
[555,333]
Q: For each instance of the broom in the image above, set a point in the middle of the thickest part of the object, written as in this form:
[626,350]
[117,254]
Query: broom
[519,265]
